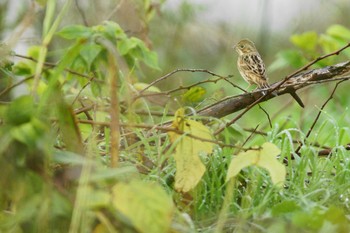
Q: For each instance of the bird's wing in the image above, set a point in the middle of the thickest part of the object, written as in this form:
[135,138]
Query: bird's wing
[253,63]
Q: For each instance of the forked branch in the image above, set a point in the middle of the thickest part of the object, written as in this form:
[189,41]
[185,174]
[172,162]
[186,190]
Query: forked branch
[236,103]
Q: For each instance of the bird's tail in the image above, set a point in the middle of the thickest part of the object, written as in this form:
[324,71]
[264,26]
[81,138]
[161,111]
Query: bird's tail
[264,85]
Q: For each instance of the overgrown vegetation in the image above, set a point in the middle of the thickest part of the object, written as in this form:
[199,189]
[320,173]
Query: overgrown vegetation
[93,147]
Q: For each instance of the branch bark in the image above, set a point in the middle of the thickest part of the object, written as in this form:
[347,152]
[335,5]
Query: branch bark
[236,103]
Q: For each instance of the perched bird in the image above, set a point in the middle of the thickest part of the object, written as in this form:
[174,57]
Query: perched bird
[252,68]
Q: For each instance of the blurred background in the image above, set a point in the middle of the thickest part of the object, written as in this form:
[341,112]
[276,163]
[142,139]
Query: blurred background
[193,33]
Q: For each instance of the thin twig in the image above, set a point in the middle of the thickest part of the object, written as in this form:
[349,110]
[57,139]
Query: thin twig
[179,88]
[81,90]
[115,10]
[267,115]
[318,116]
[181,70]
[234,85]
[81,12]
[251,135]
[344,78]
[86,112]
[84,109]
[193,85]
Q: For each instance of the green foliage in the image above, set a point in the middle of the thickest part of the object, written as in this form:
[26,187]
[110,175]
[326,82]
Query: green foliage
[310,45]
[133,49]
[194,94]
[55,154]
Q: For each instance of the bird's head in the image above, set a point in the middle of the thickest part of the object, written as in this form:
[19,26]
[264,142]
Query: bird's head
[244,46]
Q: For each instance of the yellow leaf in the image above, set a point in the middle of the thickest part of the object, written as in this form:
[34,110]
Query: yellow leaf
[268,161]
[148,207]
[265,158]
[242,160]
[189,167]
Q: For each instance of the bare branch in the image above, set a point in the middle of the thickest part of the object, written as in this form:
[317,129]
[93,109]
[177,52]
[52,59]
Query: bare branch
[280,84]
[248,100]
[267,115]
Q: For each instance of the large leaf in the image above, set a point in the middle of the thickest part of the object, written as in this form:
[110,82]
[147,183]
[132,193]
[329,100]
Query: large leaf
[264,157]
[89,53]
[75,32]
[148,207]
[189,167]
[307,40]
[339,31]
[135,48]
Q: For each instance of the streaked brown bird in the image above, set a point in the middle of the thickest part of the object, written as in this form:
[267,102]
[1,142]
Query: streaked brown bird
[252,68]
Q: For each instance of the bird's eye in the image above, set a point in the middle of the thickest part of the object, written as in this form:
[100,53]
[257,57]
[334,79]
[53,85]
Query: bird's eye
[241,46]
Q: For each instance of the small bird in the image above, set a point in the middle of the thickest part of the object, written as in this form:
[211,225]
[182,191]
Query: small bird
[252,68]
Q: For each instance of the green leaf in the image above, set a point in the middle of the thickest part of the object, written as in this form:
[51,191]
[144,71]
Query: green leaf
[284,208]
[20,110]
[265,158]
[334,218]
[137,49]
[329,43]
[75,32]
[111,29]
[124,46]
[339,31]
[23,69]
[306,41]
[96,198]
[60,205]
[338,217]
[70,133]
[89,53]
[96,88]
[34,51]
[28,133]
[287,58]
[148,207]
[194,94]
[150,58]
